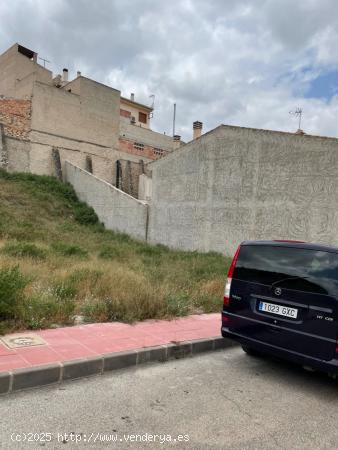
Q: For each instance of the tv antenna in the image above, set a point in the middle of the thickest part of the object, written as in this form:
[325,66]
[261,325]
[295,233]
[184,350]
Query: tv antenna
[298,112]
[152,96]
[44,61]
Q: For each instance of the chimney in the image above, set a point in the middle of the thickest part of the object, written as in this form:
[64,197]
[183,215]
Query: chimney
[177,141]
[65,75]
[132,97]
[78,73]
[197,129]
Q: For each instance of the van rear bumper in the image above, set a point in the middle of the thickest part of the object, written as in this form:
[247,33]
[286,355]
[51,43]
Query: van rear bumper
[330,366]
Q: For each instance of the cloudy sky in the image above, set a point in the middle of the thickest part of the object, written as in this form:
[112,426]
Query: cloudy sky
[239,62]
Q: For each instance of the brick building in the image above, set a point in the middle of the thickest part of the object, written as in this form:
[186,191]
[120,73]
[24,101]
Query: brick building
[46,120]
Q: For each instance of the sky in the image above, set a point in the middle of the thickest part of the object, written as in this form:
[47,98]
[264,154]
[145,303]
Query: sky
[239,62]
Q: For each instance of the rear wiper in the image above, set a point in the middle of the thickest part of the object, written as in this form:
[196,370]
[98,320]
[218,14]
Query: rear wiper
[289,278]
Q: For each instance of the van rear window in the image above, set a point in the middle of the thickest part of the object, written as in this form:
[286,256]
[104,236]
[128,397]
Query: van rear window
[295,268]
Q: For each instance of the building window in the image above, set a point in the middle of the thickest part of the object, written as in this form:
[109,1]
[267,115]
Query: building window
[142,117]
[158,152]
[138,146]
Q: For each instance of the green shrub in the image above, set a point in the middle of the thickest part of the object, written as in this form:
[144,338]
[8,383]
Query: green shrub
[95,310]
[23,250]
[177,304]
[38,311]
[69,250]
[43,309]
[12,284]
[85,214]
[64,290]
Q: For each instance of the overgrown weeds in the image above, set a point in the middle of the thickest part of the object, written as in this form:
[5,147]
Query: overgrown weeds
[57,261]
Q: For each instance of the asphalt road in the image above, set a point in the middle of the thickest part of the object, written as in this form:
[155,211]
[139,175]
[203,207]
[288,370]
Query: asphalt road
[221,400]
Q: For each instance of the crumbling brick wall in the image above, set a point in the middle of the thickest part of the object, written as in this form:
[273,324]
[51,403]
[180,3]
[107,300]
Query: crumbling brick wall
[15,115]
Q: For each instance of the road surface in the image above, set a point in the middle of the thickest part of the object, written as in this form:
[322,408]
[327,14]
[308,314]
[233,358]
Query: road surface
[221,400]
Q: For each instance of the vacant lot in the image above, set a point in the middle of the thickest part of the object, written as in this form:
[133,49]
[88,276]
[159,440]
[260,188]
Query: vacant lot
[57,261]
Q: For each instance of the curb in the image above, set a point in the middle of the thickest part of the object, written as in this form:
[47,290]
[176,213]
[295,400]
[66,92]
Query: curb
[32,377]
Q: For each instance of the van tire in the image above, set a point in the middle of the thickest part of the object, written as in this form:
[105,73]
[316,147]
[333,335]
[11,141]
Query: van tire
[250,351]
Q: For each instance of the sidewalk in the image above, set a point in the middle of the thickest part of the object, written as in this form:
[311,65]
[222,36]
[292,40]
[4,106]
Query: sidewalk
[100,344]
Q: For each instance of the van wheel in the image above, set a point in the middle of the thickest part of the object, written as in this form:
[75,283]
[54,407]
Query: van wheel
[250,351]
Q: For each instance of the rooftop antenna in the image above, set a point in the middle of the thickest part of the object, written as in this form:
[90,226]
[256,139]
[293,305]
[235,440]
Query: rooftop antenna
[174,119]
[152,96]
[298,112]
[44,61]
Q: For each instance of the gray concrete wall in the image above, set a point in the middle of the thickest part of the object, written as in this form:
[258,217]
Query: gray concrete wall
[234,184]
[18,152]
[14,153]
[116,209]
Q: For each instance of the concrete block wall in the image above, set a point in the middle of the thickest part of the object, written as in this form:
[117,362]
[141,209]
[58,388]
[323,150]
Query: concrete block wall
[235,183]
[116,210]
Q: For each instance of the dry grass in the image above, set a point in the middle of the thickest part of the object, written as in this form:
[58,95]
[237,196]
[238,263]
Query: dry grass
[74,267]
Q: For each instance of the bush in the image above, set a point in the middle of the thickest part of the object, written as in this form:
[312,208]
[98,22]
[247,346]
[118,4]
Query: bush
[43,309]
[23,250]
[64,290]
[177,304]
[12,284]
[69,250]
[85,214]
[38,311]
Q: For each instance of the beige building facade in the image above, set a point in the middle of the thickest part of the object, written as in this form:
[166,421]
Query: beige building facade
[79,120]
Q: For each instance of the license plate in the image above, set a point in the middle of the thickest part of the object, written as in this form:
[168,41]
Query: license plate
[278,309]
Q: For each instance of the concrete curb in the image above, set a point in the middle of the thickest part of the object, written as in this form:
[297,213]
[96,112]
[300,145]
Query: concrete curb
[32,377]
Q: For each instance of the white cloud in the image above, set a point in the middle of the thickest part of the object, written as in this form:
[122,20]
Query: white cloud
[226,61]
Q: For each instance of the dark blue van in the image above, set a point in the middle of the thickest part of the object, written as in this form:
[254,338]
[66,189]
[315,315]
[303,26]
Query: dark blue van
[281,298]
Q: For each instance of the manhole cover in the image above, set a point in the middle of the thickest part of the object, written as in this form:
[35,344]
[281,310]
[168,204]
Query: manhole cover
[22,340]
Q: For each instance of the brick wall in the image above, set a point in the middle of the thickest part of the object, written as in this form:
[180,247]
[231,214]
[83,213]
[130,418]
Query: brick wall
[147,151]
[15,115]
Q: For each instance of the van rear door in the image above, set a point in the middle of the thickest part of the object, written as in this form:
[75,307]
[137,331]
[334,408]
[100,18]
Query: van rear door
[286,296]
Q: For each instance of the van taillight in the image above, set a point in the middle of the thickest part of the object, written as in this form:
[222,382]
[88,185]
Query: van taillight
[229,279]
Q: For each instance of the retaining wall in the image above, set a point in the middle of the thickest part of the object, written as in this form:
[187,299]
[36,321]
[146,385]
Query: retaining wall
[116,210]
